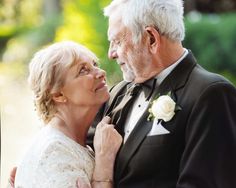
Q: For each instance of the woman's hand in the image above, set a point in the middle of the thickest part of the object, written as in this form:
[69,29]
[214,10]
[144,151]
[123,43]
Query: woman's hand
[107,142]
[12,177]
[81,183]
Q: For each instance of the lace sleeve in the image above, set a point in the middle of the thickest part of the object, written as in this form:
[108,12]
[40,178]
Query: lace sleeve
[60,167]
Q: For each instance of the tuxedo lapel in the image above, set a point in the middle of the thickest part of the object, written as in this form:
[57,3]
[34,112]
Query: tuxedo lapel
[116,96]
[143,126]
[134,140]
[179,76]
[175,80]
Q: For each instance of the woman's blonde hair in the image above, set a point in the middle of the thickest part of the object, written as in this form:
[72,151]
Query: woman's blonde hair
[46,73]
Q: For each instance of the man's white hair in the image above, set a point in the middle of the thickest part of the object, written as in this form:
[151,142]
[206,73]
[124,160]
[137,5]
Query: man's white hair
[164,15]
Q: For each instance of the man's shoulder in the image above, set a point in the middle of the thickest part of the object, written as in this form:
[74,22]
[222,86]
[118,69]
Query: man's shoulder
[205,77]
[201,80]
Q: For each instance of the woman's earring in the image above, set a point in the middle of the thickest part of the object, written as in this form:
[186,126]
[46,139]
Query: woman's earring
[64,100]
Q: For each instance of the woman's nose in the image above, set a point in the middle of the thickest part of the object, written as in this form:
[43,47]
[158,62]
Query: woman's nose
[100,73]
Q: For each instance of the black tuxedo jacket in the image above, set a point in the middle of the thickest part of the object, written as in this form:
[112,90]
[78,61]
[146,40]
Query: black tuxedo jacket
[199,151]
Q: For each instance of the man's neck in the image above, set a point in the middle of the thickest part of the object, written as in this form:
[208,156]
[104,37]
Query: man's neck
[170,52]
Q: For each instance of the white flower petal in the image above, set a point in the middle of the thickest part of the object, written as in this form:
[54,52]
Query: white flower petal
[163,108]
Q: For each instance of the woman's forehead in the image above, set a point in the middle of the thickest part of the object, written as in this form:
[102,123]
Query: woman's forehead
[85,57]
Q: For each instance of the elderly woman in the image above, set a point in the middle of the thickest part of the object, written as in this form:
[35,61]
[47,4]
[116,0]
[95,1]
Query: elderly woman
[69,89]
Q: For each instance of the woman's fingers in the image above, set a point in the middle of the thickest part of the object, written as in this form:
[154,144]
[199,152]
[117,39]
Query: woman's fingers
[107,140]
[106,119]
[81,183]
[12,177]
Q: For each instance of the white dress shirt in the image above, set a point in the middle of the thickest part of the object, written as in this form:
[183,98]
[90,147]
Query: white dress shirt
[141,104]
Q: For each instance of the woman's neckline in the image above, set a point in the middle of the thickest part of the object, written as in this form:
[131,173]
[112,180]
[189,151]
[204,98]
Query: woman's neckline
[61,133]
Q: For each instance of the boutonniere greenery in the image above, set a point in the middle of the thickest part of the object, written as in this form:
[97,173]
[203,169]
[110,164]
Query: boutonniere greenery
[163,108]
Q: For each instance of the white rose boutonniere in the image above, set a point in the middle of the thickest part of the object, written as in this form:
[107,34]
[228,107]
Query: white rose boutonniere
[163,108]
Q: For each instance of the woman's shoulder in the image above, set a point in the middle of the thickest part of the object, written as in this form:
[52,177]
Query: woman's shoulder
[47,139]
[50,145]
[64,160]
[58,141]
[54,159]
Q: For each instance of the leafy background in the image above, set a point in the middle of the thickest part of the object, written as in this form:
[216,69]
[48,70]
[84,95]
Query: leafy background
[26,26]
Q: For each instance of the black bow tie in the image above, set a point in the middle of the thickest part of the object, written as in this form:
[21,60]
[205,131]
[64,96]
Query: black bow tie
[119,113]
[133,90]
[149,87]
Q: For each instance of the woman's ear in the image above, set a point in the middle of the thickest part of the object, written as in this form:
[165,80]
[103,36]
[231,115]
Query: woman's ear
[59,97]
[153,38]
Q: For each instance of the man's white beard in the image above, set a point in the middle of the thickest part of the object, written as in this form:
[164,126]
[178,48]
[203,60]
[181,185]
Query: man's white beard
[128,75]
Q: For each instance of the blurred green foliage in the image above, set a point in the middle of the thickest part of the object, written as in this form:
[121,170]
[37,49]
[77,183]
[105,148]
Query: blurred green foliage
[26,27]
[17,17]
[212,38]
[84,22]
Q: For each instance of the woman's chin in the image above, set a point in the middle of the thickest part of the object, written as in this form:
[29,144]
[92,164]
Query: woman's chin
[103,97]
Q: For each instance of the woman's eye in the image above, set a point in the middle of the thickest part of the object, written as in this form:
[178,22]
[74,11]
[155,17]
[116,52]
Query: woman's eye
[83,71]
[95,64]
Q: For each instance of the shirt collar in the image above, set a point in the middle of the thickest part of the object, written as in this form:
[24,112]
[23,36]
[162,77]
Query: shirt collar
[163,74]
[150,85]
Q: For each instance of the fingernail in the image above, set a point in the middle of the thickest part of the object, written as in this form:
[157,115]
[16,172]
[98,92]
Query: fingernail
[107,119]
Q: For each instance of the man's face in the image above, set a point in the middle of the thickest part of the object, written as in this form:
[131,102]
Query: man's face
[131,57]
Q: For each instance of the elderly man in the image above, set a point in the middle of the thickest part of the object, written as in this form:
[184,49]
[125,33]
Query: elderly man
[178,120]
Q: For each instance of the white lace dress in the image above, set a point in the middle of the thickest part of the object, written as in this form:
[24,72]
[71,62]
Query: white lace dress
[54,161]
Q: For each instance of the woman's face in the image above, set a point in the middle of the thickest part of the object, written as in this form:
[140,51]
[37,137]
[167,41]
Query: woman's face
[85,83]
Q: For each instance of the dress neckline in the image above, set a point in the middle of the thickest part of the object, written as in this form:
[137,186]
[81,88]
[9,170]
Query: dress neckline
[60,133]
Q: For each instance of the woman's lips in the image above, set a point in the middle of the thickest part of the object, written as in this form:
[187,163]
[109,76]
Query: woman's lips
[101,86]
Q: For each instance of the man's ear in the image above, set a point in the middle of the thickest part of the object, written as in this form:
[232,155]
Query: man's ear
[153,38]
[59,97]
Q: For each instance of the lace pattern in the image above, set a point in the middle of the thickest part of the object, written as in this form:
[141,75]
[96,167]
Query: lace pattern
[54,160]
